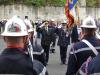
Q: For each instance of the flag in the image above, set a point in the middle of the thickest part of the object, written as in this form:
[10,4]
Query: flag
[72,4]
[68,15]
[69,5]
[67,8]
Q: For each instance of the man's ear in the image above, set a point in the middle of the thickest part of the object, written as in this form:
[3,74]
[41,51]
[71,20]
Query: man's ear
[25,39]
[4,38]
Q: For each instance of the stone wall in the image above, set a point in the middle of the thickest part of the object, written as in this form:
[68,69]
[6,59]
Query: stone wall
[35,12]
[95,12]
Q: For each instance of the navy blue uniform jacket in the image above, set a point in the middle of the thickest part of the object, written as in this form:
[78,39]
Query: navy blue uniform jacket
[15,61]
[79,54]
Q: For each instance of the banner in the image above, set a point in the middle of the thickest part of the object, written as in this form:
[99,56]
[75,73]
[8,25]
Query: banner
[68,15]
[72,4]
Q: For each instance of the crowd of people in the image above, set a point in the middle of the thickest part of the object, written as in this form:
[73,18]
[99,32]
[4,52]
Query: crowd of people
[23,55]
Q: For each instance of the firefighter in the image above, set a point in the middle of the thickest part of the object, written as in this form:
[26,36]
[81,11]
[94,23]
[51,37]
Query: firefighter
[13,60]
[38,52]
[81,51]
[53,25]
[63,41]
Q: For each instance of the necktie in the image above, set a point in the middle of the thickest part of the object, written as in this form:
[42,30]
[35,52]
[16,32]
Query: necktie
[47,29]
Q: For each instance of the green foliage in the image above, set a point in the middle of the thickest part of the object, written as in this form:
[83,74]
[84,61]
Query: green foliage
[91,3]
[56,2]
[4,1]
[36,3]
[45,2]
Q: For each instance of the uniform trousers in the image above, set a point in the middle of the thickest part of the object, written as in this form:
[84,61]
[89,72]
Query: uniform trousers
[63,54]
[46,51]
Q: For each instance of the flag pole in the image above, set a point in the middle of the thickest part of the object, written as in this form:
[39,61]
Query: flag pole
[77,13]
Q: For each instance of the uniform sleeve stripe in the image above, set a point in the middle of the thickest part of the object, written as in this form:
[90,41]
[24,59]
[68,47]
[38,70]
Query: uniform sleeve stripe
[95,74]
[43,71]
[81,72]
[82,49]
[38,53]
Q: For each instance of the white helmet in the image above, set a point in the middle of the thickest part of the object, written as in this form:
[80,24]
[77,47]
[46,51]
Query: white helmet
[52,20]
[29,25]
[15,27]
[89,22]
[64,21]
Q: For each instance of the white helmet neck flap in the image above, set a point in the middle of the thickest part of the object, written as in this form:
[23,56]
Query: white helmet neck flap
[15,27]
[89,22]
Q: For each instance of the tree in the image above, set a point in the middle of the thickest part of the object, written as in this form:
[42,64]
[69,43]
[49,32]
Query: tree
[56,2]
[91,3]
[35,2]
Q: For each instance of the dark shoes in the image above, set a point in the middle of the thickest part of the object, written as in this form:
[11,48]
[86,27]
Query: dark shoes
[52,51]
[63,63]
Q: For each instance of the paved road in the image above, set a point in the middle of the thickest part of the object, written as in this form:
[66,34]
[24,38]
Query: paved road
[54,67]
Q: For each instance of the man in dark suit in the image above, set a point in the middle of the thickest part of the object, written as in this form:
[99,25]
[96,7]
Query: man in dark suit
[47,33]
[63,41]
